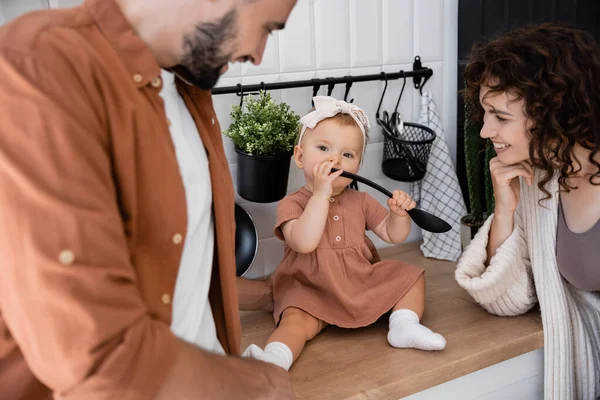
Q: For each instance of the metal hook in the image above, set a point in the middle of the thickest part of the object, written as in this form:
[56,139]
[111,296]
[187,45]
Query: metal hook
[423,84]
[263,87]
[348,86]
[384,76]
[416,67]
[401,91]
[316,87]
[241,93]
[330,86]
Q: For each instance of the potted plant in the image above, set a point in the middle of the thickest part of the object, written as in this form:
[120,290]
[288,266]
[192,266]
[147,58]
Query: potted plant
[263,134]
[478,153]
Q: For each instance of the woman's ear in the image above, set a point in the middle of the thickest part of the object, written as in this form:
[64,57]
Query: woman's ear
[298,156]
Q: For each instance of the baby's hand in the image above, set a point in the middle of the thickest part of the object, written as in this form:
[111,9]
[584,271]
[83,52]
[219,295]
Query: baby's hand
[400,203]
[323,179]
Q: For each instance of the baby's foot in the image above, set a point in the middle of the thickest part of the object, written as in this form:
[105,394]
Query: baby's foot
[275,353]
[406,332]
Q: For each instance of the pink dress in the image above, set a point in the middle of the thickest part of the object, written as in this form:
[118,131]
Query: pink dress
[340,282]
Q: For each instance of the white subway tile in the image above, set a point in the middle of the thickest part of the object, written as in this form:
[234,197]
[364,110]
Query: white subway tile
[332,29]
[296,179]
[234,71]
[366,33]
[64,3]
[299,99]
[297,40]
[14,8]
[270,60]
[371,167]
[366,95]
[229,151]
[270,254]
[222,104]
[264,215]
[398,29]
[429,29]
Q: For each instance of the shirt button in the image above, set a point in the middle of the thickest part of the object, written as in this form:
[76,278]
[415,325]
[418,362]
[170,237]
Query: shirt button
[156,82]
[137,78]
[336,218]
[66,257]
[331,200]
[166,299]
[177,238]
[338,238]
[213,121]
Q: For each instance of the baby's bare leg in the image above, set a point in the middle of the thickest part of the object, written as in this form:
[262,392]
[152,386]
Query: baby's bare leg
[295,329]
[405,329]
[287,341]
[414,299]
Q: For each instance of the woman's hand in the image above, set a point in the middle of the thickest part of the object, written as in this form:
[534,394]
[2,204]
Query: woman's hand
[400,203]
[506,184]
[506,193]
[323,179]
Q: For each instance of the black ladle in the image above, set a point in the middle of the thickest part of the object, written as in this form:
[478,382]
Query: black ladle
[423,219]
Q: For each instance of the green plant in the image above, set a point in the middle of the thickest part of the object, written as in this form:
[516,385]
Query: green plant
[263,127]
[478,153]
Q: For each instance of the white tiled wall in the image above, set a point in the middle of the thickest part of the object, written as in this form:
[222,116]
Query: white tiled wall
[326,38]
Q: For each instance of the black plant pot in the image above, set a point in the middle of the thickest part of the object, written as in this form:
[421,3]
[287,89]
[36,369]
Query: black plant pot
[262,179]
[469,228]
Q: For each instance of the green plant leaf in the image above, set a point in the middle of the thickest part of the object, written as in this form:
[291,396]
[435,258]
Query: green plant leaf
[263,127]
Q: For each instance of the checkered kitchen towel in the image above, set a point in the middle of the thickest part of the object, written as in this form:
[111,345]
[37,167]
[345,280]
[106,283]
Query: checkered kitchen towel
[439,192]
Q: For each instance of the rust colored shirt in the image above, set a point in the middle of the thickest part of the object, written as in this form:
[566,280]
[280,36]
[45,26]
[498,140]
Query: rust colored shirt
[93,211]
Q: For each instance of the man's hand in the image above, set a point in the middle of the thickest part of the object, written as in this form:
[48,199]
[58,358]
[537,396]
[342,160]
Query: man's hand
[198,374]
[267,381]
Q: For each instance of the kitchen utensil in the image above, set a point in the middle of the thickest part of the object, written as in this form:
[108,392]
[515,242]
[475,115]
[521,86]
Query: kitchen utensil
[423,219]
[246,241]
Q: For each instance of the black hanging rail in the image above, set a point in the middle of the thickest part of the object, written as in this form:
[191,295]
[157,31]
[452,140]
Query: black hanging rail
[417,74]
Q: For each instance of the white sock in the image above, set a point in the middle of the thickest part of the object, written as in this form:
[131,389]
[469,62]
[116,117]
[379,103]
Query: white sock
[406,332]
[275,353]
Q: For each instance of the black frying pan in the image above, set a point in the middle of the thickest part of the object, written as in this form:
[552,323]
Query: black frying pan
[246,241]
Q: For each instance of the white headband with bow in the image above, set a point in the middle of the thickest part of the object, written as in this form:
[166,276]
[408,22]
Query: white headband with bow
[327,107]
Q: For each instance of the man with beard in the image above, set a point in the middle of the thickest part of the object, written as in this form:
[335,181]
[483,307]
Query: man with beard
[117,277]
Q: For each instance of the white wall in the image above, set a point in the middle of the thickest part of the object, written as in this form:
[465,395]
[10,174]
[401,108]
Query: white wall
[335,38]
[352,37]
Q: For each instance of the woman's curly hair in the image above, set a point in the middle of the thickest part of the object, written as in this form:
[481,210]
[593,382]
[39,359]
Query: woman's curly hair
[556,70]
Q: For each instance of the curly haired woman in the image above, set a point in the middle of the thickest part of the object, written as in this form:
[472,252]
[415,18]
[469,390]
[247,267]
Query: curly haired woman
[538,91]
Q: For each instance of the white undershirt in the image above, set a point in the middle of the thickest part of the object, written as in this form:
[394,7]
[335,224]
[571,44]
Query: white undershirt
[192,316]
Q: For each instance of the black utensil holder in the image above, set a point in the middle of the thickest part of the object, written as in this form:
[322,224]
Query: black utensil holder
[406,154]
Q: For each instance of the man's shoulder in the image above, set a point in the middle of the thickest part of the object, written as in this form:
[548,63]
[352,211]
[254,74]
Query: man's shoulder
[37,31]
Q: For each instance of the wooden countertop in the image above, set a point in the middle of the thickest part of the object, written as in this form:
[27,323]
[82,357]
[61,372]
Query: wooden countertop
[344,364]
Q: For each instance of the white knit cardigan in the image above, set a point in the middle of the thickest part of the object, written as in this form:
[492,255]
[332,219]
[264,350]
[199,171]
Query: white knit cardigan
[523,271]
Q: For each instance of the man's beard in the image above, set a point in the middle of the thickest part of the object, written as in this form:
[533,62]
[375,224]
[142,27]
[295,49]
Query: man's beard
[204,50]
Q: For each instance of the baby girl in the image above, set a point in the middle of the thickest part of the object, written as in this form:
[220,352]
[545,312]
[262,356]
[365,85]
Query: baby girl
[330,274]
